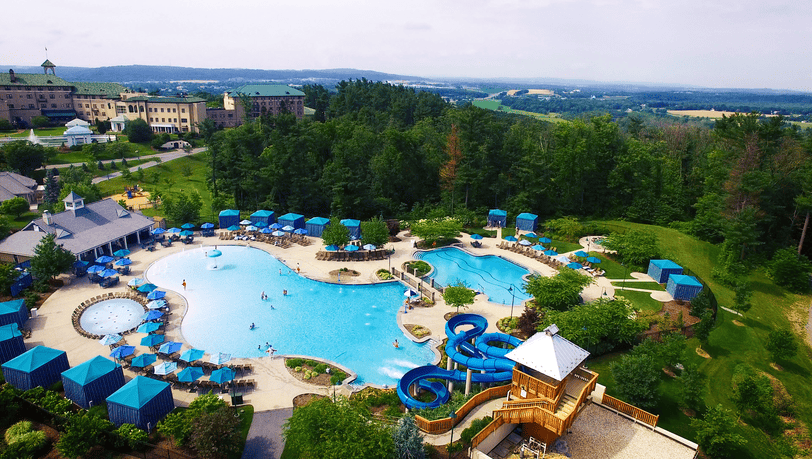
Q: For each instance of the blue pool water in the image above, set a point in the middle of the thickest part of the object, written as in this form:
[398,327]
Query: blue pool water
[111,316]
[353,325]
[489,274]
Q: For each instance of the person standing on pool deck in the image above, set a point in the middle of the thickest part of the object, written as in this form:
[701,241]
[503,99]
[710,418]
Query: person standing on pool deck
[184,284]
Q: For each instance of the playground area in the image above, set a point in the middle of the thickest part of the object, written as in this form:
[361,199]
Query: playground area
[135,198]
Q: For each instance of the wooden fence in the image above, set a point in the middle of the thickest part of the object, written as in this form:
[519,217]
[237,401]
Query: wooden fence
[439,426]
[487,431]
[630,410]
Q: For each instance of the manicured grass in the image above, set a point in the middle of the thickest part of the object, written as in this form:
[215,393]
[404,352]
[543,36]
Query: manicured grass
[614,270]
[134,150]
[729,345]
[645,285]
[480,231]
[20,222]
[641,300]
[40,132]
[96,172]
[563,246]
[246,414]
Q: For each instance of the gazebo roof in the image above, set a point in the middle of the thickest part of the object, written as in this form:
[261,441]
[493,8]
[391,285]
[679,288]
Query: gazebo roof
[12,306]
[90,371]
[681,279]
[33,359]
[138,392]
[318,221]
[665,264]
[549,353]
[9,331]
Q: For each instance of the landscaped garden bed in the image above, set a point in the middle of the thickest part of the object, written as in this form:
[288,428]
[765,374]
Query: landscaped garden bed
[418,331]
[315,372]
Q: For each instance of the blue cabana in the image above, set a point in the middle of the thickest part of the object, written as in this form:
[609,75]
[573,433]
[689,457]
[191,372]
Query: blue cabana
[11,342]
[683,287]
[498,218]
[266,216]
[142,401]
[13,312]
[39,366]
[315,226]
[229,217]
[295,220]
[354,226]
[92,382]
[527,222]
[659,270]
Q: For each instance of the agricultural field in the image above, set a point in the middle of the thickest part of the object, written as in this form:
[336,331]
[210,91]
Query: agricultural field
[495,105]
[539,92]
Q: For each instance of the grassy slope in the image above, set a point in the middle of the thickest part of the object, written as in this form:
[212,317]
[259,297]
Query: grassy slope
[729,344]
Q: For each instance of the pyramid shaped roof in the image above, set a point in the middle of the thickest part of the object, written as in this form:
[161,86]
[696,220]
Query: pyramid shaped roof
[12,307]
[549,353]
[9,331]
[33,359]
[138,392]
[90,371]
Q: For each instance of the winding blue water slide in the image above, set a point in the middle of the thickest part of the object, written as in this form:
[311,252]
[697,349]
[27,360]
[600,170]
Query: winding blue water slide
[479,357]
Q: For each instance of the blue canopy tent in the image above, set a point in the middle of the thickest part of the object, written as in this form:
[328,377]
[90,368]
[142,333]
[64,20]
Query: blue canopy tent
[497,217]
[229,217]
[527,222]
[11,342]
[13,312]
[354,226]
[265,216]
[39,366]
[90,383]
[142,401]
[295,220]
[659,270]
[683,287]
[22,282]
[315,226]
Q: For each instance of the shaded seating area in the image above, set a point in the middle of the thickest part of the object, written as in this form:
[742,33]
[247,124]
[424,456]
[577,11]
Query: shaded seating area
[358,255]
[497,218]
[354,227]
[91,382]
[13,312]
[40,366]
[683,287]
[660,270]
[294,220]
[142,402]
[11,342]
[316,225]
[229,217]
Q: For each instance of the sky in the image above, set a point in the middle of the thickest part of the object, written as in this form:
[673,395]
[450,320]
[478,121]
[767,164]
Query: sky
[709,43]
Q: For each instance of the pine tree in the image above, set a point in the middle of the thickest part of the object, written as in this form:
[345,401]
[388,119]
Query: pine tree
[52,187]
[408,441]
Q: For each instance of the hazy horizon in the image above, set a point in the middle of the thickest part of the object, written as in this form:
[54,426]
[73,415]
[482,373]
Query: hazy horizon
[748,44]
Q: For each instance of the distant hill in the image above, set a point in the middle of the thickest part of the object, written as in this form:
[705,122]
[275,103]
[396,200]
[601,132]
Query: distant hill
[159,73]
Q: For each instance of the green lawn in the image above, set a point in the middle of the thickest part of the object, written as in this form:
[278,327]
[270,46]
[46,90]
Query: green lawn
[134,150]
[246,414]
[641,300]
[40,132]
[729,345]
[96,172]
[20,222]
[645,285]
[614,270]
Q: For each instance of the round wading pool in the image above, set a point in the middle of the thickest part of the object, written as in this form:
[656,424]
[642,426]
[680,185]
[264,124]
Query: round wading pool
[111,316]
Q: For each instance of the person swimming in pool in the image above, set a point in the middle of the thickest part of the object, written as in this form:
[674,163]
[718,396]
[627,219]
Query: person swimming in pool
[252,326]
[396,344]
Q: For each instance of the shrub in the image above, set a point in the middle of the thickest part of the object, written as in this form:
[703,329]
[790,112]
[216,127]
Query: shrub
[24,440]
[476,426]
[337,377]
[292,363]
[320,368]
[132,436]
[311,363]
[790,270]
[31,299]
[297,369]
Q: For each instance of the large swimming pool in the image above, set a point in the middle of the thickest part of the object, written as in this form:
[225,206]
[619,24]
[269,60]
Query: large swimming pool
[353,325]
[488,274]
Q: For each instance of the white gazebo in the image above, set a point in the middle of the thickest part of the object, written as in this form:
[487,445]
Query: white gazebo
[76,122]
[118,123]
[78,135]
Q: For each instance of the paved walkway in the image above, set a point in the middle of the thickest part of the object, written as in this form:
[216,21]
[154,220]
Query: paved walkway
[484,409]
[265,436]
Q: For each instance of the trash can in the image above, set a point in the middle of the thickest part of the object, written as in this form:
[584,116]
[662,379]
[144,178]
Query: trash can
[236,399]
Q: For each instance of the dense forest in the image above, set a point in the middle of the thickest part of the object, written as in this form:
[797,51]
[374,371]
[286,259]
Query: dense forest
[378,149]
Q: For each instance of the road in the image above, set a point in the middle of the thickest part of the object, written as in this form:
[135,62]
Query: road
[164,157]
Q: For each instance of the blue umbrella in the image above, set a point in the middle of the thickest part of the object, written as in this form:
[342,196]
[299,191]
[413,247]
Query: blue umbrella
[593,259]
[148,327]
[144,360]
[146,288]
[187,233]
[545,240]
[581,254]
[165,368]
[476,237]
[122,351]
[95,269]
[538,247]
[152,340]
[190,355]
[80,264]
[220,358]
[550,253]
[525,242]
[174,230]
[123,262]
[222,375]
[246,222]
[158,231]
[278,233]
[187,226]
[410,293]
[331,248]
[369,247]
[136,281]
[156,304]
[265,231]
[574,265]
[109,273]
[511,238]
[250,228]
[300,231]
[121,253]
[261,224]
[350,248]
[277,226]
[207,226]
[288,228]
[233,228]
[152,315]
[156,295]
[530,235]
[104,259]
[190,374]
[170,347]
[214,253]
[110,339]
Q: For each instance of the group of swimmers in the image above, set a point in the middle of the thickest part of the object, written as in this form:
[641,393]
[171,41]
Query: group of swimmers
[268,348]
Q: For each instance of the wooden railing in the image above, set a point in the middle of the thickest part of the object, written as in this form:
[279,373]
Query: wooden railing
[535,386]
[439,426]
[631,410]
[535,415]
[528,403]
[487,431]
[585,391]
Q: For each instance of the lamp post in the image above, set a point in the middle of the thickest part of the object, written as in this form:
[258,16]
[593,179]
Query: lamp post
[453,416]
[512,300]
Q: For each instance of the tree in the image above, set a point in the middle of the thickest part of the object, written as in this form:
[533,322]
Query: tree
[433,231]
[82,432]
[752,393]
[50,259]
[23,157]
[374,232]
[637,378]
[8,274]
[782,344]
[716,433]
[216,435]
[743,293]
[560,292]
[635,248]
[458,295]
[5,125]
[408,440]
[15,206]
[703,328]
[178,424]
[329,430]
[568,228]
[101,126]
[790,270]
[335,233]
[40,121]
[449,170]
[138,131]
[51,187]
[182,207]
[692,387]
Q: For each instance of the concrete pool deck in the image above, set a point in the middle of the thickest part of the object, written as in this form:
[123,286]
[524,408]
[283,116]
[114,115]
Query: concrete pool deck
[275,387]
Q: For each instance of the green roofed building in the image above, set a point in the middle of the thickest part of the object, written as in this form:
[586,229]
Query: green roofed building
[261,99]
